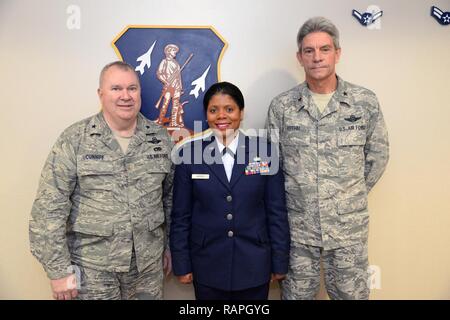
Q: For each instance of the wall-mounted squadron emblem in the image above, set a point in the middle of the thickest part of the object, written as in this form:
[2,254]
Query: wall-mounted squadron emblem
[176,66]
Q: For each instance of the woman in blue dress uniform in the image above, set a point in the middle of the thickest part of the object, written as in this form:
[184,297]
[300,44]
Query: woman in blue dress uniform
[229,232]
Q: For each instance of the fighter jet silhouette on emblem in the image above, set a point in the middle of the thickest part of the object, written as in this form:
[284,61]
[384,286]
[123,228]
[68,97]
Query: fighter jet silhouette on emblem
[441,17]
[175,65]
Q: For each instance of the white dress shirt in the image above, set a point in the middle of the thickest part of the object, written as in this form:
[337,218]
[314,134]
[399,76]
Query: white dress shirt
[227,159]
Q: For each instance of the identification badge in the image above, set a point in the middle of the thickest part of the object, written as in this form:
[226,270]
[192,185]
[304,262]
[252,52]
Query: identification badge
[200,176]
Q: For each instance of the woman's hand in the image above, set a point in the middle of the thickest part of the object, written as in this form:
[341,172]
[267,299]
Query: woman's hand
[185,279]
[277,276]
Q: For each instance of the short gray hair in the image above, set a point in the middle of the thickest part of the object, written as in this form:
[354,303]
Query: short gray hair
[318,24]
[122,65]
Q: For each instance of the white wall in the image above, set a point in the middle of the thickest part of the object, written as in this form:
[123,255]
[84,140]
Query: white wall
[49,79]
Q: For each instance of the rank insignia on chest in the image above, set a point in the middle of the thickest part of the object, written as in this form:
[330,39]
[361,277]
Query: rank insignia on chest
[264,167]
[257,167]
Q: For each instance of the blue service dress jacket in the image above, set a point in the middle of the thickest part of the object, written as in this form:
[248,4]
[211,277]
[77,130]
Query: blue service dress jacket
[230,235]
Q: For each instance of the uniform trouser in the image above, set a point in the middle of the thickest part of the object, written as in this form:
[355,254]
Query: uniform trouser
[132,285]
[203,292]
[345,270]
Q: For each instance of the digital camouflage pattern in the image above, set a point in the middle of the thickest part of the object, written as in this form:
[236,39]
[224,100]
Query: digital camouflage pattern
[94,202]
[131,285]
[346,275]
[330,161]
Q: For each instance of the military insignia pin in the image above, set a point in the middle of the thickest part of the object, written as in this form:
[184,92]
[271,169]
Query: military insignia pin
[252,168]
[264,167]
[257,167]
[442,17]
[366,18]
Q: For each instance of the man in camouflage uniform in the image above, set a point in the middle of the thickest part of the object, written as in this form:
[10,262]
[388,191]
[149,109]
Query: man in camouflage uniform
[334,148]
[100,207]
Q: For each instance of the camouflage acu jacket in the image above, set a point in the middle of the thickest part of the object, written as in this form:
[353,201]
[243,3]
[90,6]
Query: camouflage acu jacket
[94,202]
[330,161]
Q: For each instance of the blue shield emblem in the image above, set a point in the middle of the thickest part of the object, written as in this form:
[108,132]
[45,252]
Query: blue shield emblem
[176,66]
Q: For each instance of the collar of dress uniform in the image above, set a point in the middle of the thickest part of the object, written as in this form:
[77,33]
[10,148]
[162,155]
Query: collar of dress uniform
[231,148]
[241,140]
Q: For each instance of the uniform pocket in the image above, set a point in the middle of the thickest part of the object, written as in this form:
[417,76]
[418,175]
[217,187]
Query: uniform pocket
[90,240]
[353,204]
[297,136]
[93,228]
[95,175]
[351,130]
[151,169]
[154,221]
[295,155]
[294,145]
[357,138]
[351,152]
[198,237]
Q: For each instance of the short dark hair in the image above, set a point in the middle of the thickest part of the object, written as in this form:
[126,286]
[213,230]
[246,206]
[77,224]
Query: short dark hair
[224,88]
[119,64]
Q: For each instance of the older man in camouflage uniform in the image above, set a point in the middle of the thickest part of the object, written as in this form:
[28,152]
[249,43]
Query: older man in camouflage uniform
[334,148]
[102,197]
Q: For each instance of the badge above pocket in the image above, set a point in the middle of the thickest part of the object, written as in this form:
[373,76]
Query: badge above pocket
[200,176]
